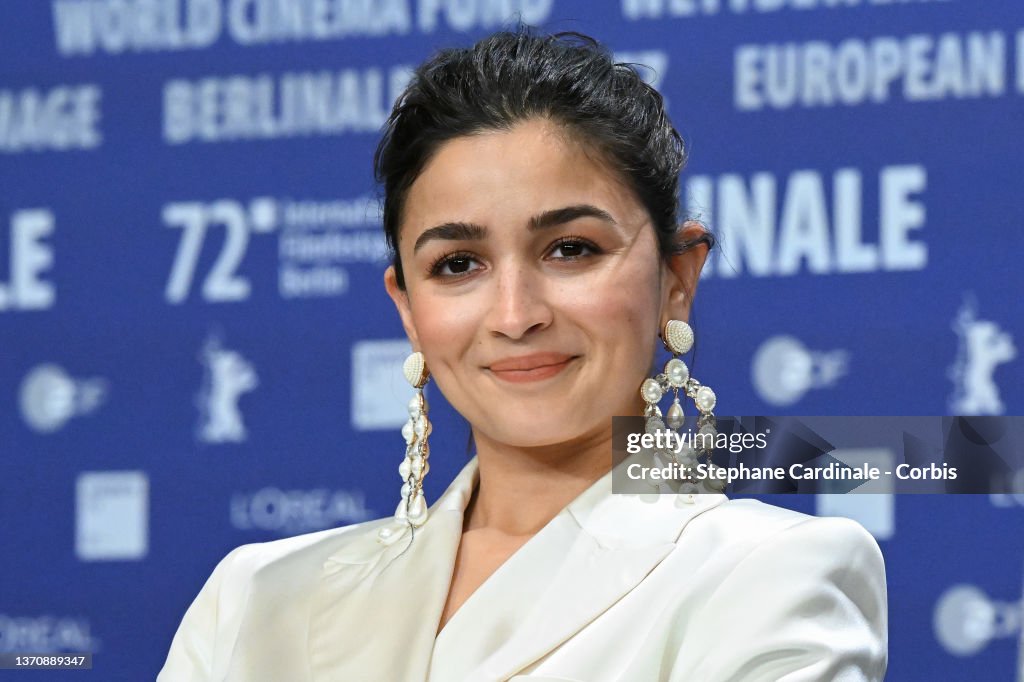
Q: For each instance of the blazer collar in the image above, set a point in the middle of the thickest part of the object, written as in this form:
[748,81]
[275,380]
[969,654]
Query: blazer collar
[377,606]
[601,546]
[366,547]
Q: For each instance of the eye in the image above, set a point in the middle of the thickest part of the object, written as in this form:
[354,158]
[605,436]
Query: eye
[573,248]
[453,265]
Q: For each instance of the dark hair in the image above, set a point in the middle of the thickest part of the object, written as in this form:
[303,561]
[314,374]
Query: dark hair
[512,76]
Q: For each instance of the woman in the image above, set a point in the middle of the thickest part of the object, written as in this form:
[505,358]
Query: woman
[531,203]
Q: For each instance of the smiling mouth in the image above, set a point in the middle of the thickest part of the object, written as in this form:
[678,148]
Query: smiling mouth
[525,369]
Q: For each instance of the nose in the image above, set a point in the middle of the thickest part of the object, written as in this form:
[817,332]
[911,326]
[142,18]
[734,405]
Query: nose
[520,305]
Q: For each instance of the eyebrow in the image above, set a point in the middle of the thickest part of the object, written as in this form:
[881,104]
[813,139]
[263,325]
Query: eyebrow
[547,219]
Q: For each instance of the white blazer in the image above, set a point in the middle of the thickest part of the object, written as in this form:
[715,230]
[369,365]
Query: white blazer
[615,588]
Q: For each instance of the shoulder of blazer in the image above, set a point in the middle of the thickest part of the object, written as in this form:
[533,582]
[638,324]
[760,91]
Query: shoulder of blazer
[751,519]
[309,550]
[739,528]
[326,550]
[735,525]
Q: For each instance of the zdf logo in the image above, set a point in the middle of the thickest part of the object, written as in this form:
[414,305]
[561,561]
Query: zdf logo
[965,620]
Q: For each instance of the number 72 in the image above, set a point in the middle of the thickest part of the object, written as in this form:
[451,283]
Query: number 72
[222,283]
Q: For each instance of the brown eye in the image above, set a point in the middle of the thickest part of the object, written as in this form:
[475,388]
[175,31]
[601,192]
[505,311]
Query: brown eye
[453,265]
[573,249]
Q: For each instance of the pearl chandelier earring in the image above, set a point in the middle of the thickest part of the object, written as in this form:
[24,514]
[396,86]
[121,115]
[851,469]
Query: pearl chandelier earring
[675,377]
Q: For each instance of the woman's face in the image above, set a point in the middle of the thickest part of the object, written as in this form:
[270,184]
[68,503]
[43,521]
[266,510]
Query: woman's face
[534,285]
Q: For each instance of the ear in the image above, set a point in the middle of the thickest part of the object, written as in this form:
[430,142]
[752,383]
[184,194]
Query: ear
[681,272]
[400,297]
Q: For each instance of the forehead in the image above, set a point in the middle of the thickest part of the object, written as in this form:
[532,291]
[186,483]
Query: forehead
[502,178]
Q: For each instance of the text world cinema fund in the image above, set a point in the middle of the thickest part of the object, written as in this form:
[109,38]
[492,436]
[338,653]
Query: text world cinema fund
[117,26]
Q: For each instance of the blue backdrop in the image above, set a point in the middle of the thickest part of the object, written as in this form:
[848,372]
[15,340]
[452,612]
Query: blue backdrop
[196,350]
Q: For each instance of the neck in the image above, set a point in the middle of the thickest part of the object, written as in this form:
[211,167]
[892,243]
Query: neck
[522,489]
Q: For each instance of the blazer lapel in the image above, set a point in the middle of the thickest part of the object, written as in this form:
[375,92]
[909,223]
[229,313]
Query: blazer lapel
[606,545]
[375,611]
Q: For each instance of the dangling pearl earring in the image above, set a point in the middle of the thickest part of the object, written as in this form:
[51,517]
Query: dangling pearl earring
[678,339]
[413,507]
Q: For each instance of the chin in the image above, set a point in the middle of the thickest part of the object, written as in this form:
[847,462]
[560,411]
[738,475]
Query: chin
[543,430]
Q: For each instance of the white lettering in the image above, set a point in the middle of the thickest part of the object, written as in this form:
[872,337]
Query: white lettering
[466,15]
[747,221]
[855,72]
[852,76]
[30,256]
[44,634]
[899,214]
[1020,61]
[751,240]
[634,10]
[304,215]
[297,511]
[852,255]
[325,280]
[83,27]
[62,118]
[887,59]
[699,197]
[816,86]
[219,109]
[803,228]
[252,22]
[642,9]
[339,247]
[747,77]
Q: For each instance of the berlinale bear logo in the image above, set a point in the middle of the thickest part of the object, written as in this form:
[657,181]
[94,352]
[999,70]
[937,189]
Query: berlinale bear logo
[984,345]
[228,376]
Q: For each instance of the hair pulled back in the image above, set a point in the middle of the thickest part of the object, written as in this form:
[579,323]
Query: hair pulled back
[513,76]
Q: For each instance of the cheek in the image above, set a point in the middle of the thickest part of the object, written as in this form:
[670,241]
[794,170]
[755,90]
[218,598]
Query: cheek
[623,302]
[444,328]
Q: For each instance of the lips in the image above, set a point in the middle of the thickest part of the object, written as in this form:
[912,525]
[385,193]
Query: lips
[531,367]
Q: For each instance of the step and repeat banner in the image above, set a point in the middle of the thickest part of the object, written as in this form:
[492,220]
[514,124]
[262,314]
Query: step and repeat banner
[197,352]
